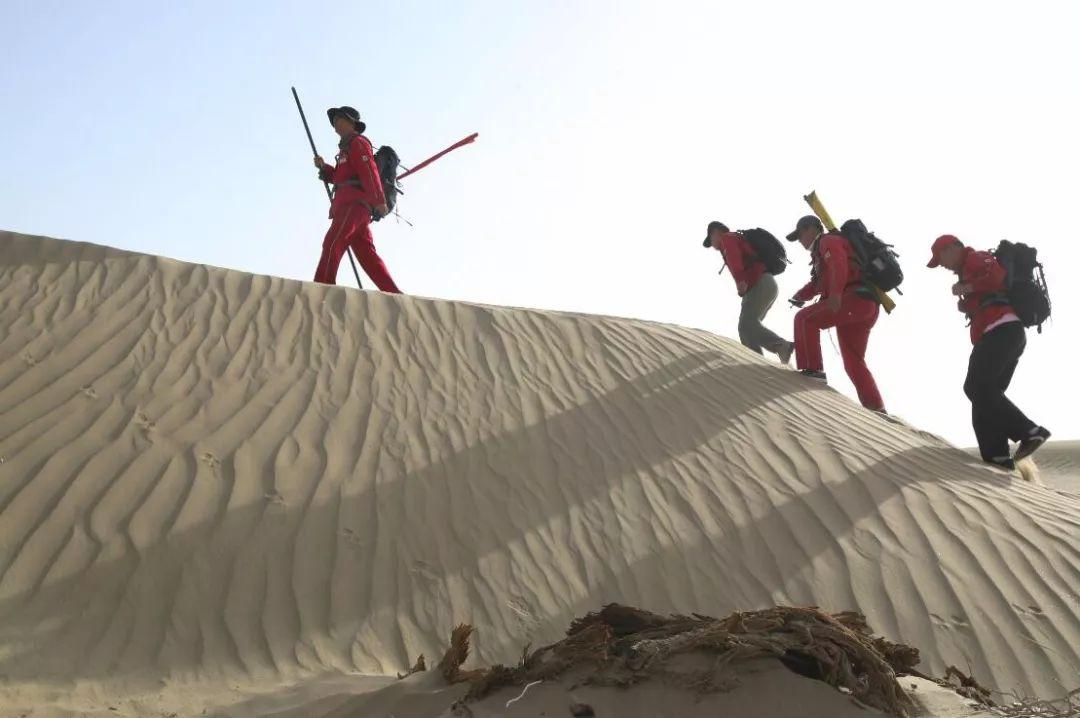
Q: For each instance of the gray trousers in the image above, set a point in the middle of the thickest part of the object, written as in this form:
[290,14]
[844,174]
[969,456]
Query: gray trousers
[756,303]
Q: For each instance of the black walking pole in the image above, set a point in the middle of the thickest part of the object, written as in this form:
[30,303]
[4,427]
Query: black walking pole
[329,195]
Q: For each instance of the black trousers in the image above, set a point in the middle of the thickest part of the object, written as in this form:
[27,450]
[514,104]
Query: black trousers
[994,417]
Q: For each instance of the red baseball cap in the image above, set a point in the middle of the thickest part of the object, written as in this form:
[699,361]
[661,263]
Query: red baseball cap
[940,244]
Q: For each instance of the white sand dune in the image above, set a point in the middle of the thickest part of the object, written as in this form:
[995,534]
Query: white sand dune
[221,490]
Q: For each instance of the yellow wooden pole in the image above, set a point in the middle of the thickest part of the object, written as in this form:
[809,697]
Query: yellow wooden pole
[819,209]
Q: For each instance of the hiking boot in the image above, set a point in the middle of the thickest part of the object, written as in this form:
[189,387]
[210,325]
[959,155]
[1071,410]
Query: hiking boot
[1002,462]
[784,353]
[1031,443]
[813,374]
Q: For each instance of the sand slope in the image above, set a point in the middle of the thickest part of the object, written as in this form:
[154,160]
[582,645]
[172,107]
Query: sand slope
[216,485]
[765,691]
[1059,465]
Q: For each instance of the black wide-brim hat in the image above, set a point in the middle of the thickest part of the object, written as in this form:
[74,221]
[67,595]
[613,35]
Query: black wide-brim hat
[349,113]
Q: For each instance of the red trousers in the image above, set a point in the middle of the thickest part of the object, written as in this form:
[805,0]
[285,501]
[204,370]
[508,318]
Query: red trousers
[351,227]
[857,316]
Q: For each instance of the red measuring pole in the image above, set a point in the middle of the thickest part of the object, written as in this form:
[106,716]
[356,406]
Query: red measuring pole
[416,168]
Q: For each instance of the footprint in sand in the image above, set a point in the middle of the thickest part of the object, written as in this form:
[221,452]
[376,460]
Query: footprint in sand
[210,460]
[144,421]
[1029,610]
[426,570]
[89,392]
[352,538]
[943,622]
[29,359]
[950,623]
[520,608]
[274,497]
[524,617]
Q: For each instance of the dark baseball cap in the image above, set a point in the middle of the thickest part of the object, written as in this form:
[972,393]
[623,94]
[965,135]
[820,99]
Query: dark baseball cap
[804,222]
[713,225]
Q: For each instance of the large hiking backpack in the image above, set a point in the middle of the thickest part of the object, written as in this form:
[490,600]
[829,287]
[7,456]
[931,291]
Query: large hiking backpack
[1025,284]
[767,249]
[387,161]
[880,264]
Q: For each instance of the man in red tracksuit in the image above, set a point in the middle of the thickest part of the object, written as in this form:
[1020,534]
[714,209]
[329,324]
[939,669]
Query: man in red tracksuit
[846,303]
[757,287]
[358,196]
[998,340]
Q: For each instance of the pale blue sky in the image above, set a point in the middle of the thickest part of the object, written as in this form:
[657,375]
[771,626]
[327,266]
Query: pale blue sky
[610,133]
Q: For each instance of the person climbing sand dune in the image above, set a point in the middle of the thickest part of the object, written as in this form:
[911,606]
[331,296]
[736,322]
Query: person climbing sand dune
[846,303]
[998,341]
[755,284]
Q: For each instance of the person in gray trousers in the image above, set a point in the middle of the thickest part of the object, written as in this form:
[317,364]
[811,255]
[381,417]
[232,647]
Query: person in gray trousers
[755,285]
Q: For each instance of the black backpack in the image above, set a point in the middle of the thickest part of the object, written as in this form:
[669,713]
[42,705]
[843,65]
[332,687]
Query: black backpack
[767,249]
[1025,284]
[880,264]
[387,161]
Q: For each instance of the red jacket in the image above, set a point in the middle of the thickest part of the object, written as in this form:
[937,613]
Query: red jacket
[986,277]
[835,269]
[354,175]
[739,256]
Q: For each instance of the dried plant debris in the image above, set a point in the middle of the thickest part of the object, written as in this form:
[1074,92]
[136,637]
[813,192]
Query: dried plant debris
[1022,707]
[419,667]
[456,654]
[966,686]
[620,646]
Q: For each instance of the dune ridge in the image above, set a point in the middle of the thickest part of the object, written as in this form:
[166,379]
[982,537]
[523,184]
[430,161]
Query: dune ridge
[1059,465]
[232,483]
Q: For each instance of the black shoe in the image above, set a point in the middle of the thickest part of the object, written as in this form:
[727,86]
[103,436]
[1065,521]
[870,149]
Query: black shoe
[1003,462]
[813,374]
[1031,444]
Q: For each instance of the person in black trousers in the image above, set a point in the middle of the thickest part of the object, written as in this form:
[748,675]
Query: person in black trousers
[999,340]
